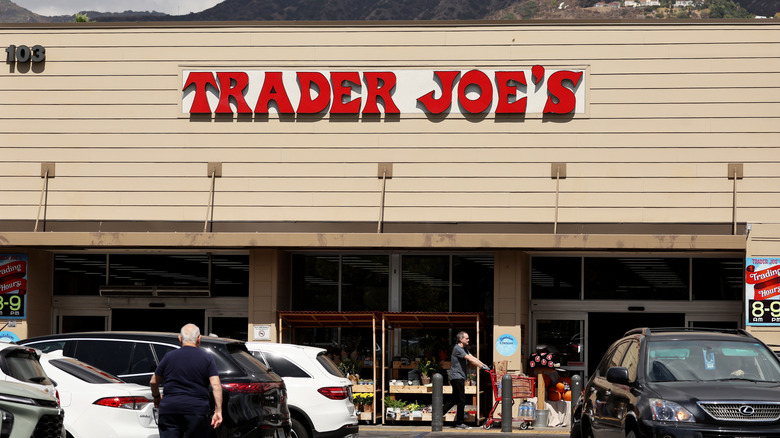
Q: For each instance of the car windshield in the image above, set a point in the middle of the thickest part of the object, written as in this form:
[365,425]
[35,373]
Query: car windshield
[707,360]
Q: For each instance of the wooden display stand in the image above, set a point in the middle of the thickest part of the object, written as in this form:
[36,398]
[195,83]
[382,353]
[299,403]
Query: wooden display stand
[292,320]
[426,320]
[289,320]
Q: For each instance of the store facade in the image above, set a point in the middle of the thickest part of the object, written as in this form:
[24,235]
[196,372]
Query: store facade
[568,180]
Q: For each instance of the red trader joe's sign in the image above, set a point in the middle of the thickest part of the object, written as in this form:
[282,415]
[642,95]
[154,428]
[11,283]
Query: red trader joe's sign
[13,286]
[535,90]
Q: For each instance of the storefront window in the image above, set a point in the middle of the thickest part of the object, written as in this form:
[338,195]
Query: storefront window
[158,270]
[425,284]
[79,274]
[636,278]
[84,274]
[361,282]
[718,279]
[472,284]
[365,282]
[229,276]
[556,278]
[315,282]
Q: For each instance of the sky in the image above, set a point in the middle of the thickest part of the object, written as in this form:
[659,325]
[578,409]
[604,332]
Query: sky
[70,7]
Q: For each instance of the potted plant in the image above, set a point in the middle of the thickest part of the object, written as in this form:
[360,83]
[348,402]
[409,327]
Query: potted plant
[358,399]
[416,410]
[426,367]
[393,407]
[368,402]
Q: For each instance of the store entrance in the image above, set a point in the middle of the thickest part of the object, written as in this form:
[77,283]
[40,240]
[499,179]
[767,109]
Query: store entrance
[604,328]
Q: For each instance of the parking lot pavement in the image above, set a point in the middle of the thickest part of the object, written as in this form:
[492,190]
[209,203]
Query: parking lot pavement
[395,431]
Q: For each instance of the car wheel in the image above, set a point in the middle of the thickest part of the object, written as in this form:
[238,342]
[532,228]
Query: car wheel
[298,430]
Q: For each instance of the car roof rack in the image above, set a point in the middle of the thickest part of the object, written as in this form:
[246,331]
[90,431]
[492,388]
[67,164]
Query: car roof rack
[647,331]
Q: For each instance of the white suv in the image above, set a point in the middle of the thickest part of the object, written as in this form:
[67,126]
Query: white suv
[318,394]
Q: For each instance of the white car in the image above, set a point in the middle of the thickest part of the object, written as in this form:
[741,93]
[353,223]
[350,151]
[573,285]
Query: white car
[97,404]
[318,394]
[20,364]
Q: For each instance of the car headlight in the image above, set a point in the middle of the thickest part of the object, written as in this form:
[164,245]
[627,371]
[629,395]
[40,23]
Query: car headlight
[670,411]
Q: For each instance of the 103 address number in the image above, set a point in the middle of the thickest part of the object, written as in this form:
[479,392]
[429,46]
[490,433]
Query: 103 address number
[23,54]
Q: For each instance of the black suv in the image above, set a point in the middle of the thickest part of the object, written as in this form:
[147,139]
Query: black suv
[682,383]
[254,399]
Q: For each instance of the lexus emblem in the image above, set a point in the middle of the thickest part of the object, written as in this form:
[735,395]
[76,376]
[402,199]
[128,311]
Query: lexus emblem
[747,410]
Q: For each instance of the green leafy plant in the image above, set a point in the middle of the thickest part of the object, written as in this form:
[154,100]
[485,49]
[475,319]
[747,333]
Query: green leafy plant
[391,403]
[414,407]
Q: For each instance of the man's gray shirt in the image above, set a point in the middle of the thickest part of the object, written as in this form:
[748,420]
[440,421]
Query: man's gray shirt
[458,363]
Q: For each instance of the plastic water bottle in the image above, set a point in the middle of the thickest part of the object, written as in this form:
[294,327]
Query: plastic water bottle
[523,410]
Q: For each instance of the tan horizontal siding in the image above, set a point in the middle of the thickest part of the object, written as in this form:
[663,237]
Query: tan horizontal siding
[668,108]
[454,125]
[730,141]
[762,161]
[285,184]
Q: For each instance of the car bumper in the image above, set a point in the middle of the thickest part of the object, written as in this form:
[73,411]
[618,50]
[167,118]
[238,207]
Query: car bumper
[346,431]
[656,429]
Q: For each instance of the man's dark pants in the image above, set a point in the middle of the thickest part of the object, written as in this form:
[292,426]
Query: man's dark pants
[458,398]
[184,426]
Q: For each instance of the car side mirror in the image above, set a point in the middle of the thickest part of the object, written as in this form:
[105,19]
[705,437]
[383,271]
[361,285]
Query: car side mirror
[618,375]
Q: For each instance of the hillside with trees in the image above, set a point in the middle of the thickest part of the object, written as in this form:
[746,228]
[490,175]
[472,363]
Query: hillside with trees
[373,10]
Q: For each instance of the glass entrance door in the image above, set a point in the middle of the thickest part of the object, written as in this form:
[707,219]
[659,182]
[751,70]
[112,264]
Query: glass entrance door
[563,334]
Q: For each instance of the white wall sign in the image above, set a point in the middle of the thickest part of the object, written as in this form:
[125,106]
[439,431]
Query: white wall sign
[261,332]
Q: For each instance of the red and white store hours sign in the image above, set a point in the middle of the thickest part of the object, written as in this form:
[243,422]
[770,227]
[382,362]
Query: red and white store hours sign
[762,289]
[535,90]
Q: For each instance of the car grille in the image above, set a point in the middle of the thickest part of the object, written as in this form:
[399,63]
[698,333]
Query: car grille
[49,426]
[742,411]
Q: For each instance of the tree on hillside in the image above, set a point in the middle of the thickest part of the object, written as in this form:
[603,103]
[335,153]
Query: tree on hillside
[727,9]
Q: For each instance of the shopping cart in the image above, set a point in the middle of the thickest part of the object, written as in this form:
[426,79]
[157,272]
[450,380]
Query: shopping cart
[522,387]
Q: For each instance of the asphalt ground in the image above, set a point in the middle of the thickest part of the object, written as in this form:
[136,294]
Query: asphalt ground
[421,431]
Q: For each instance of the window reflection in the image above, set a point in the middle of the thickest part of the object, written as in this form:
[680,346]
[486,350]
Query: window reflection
[425,284]
[556,278]
[718,279]
[365,282]
[84,274]
[315,282]
[636,278]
